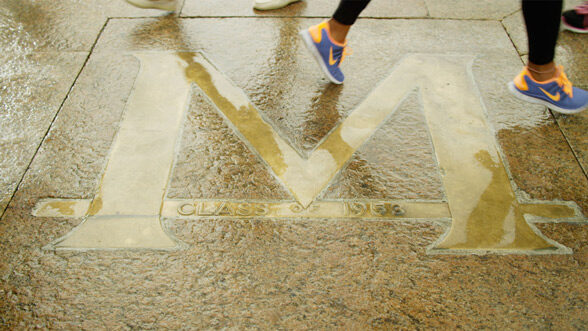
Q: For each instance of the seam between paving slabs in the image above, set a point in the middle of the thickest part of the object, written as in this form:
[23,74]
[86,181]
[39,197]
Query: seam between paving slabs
[509,15]
[509,38]
[426,17]
[324,16]
[54,118]
[181,8]
[563,133]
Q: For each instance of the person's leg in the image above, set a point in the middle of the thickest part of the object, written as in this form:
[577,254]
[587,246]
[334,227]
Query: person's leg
[344,17]
[542,19]
[541,81]
[327,41]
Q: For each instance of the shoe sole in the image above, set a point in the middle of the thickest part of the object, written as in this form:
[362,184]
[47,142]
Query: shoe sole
[148,5]
[512,88]
[566,26]
[317,56]
[272,7]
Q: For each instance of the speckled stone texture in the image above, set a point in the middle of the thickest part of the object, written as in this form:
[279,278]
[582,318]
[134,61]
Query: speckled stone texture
[33,88]
[275,273]
[475,9]
[574,129]
[65,25]
[43,47]
[305,8]
[214,162]
[293,111]
[538,170]
[398,162]
[84,129]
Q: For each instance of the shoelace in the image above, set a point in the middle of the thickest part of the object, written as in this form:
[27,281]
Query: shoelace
[346,51]
[564,82]
[343,52]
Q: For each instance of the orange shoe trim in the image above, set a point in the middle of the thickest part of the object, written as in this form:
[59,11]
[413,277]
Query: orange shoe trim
[551,96]
[317,36]
[315,32]
[520,81]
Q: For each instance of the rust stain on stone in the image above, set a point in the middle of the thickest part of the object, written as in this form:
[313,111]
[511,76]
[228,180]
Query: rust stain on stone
[95,207]
[64,207]
[548,210]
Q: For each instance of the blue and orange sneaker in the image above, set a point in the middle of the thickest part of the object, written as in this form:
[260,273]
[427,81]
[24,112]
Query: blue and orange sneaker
[328,53]
[557,94]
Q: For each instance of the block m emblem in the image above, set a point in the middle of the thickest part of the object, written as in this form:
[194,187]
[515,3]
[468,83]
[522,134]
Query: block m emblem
[486,215]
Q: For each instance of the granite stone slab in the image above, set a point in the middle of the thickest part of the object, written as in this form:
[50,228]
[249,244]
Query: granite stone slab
[67,25]
[286,63]
[475,9]
[305,8]
[574,129]
[254,273]
[33,88]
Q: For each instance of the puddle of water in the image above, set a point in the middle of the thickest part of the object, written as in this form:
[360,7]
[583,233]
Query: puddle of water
[497,220]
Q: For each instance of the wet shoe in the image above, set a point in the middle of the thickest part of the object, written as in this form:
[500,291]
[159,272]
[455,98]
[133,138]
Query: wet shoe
[576,19]
[328,53]
[167,5]
[271,4]
[557,94]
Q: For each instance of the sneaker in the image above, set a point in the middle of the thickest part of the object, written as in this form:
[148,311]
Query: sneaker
[328,53]
[576,19]
[167,5]
[557,94]
[271,4]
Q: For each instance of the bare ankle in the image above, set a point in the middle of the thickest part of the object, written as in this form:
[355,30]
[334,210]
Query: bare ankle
[542,72]
[338,31]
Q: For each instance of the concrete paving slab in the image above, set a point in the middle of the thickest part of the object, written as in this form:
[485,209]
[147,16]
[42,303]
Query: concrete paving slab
[312,271]
[229,170]
[82,134]
[515,27]
[65,25]
[572,52]
[137,42]
[476,9]
[288,109]
[33,88]
[408,158]
[44,45]
[479,9]
[574,129]
[305,8]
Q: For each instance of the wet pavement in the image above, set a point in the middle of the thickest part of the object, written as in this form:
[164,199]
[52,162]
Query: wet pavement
[195,170]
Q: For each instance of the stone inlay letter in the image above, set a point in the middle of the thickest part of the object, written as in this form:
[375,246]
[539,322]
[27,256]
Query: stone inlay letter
[486,214]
